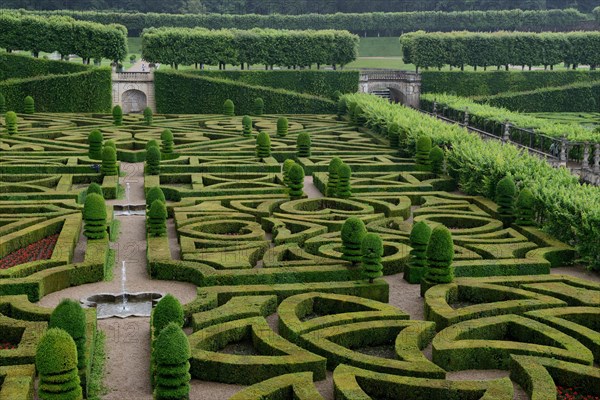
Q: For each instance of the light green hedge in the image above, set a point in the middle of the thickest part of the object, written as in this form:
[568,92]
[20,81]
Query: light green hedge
[19,66]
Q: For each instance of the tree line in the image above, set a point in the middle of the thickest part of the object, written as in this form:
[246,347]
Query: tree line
[181,46]
[501,49]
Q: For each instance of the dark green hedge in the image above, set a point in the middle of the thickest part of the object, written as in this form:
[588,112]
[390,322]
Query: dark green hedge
[480,83]
[180,93]
[18,66]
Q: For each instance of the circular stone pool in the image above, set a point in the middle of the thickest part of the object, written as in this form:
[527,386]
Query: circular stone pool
[122,305]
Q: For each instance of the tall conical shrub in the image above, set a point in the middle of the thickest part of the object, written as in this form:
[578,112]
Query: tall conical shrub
[343,189]
[303,144]
[172,354]
[69,315]
[29,105]
[440,254]
[167,310]
[11,123]
[353,232]
[372,250]
[95,188]
[109,161]
[259,106]
[423,150]
[56,363]
[117,113]
[287,165]
[157,219]
[151,143]
[166,138]
[155,193]
[229,108]
[525,208]
[95,139]
[393,132]
[246,126]
[436,158]
[333,176]
[153,161]
[419,239]
[342,108]
[282,126]
[2,104]
[296,177]
[148,116]
[263,145]
[505,198]
[94,216]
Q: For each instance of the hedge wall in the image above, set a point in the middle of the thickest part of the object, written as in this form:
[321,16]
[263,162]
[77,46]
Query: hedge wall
[480,83]
[180,93]
[17,66]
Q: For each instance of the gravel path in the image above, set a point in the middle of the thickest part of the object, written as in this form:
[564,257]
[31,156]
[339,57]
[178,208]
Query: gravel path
[310,189]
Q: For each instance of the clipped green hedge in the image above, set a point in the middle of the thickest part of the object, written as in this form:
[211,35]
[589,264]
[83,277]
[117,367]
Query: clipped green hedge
[21,66]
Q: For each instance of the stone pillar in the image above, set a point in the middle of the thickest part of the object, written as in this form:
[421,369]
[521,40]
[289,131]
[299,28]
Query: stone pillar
[597,159]
[466,121]
[562,161]
[506,134]
[435,108]
[585,163]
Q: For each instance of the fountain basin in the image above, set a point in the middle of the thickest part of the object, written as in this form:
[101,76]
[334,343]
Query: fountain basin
[109,305]
[129,209]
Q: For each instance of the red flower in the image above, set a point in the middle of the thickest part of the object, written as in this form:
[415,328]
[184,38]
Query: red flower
[40,250]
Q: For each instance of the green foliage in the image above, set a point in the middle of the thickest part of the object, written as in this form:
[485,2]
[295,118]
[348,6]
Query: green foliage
[525,208]
[342,108]
[172,352]
[371,250]
[246,126]
[95,139]
[393,135]
[151,143]
[2,104]
[505,198]
[94,216]
[423,150]
[263,145]
[296,177]
[287,165]
[353,231]
[303,145]
[282,126]
[69,315]
[440,253]
[436,158]
[148,116]
[167,310]
[336,95]
[157,219]
[29,105]
[343,189]
[94,188]
[110,143]
[333,176]
[166,138]
[155,193]
[259,106]
[109,160]
[11,123]
[153,160]
[229,108]
[56,362]
[419,240]
[117,113]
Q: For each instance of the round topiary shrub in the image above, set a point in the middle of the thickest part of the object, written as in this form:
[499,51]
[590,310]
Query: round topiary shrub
[246,126]
[505,198]
[353,231]
[153,161]
[2,104]
[110,143]
[157,219]
[419,239]
[148,116]
[95,139]
[393,132]
[94,188]
[343,189]
[167,310]
[229,108]
[172,354]
[263,145]
[11,123]
[440,253]
[371,250]
[282,126]
[94,216]
[69,315]
[155,193]
[296,176]
[342,108]
[259,106]
[287,165]
[423,150]
[166,138]
[29,105]
[303,144]
[151,143]
[436,158]
[117,113]
[56,363]
[109,161]
[333,176]
[525,208]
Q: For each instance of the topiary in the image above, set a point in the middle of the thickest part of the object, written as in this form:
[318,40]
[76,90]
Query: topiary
[287,165]
[296,177]
[263,145]
[333,176]
[351,105]
[56,363]
[29,105]
[371,251]
[157,219]
[148,116]
[505,198]
[246,126]
[109,161]
[303,144]
[11,123]
[155,193]
[343,189]
[440,253]
[110,143]
[229,108]
[282,126]
[353,231]
[94,216]
[167,141]
[358,116]
[151,143]
[423,150]
[167,310]
[2,104]
[393,132]
[419,239]
[336,95]
[153,161]
[403,142]
[259,106]
[117,113]
[436,158]
[342,108]
[94,188]
[69,315]
[525,204]
[172,354]
[95,139]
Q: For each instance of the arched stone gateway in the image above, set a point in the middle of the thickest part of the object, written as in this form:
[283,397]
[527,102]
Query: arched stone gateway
[400,86]
[133,91]
[133,101]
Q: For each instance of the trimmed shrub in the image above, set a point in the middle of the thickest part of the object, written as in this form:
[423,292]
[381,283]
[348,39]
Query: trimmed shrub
[29,105]
[436,158]
[343,189]
[167,310]
[336,95]
[2,104]
[342,108]
[153,194]
[151,143]
[94,188]
[440,253]
[371,250]
[56,362]
[117,113]
[110,143]
[172,354]
[94,216]
[287,165]
[157,219]
[423,150]
[259,106]
[166,138]
[333,176]
[353,232]
[153,161]
[393,132]
[95,139]
[246,126]
[229,108]
[148,116]
[282,126]
[296,176]
[303,144]
[505,198]
[109,160]
[263,145]
[69,316]
[419,239]
[11,123]
[358,117]
[524,210]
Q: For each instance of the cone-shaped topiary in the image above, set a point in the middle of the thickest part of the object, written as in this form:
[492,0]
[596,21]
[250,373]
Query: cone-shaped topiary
[287,165]
[296,176]
[303,144]
[11,123]
[2,104]
[148,116]
[353,231]
[393,132]
[419,239]
[172,354]
[423,150]
[282,126]
[94,188]
[440,253]
[153,161]
[263,145]
[343,189]
[342,108]
[436,157]
[229,108]
[109,161]
[333,176]
[259,106]
[358,116]
[403,142]
[151,143]
[94,216]
[371,250]
[166,138]
[110,143]
[29,105]
[56,363]
[117,113]
[69,315]
[525,204]
[246,126]
[155,193]
[505,198]
[167,310]
[157,219]
[95,139]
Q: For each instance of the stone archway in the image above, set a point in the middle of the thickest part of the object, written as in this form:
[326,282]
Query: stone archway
[133,101]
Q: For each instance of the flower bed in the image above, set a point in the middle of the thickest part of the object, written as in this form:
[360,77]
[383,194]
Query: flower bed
[573,393]
[40,250]
[7,345]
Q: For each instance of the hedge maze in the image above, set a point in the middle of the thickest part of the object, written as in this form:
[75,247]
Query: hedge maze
[279,304]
